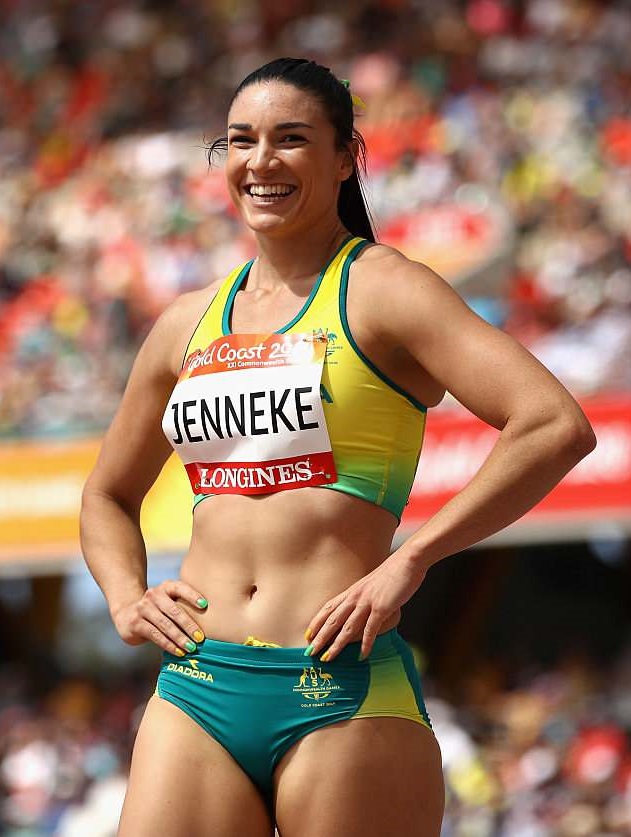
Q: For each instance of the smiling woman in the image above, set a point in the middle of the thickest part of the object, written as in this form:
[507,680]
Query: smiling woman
[294,701]
[270,169]
[328,125]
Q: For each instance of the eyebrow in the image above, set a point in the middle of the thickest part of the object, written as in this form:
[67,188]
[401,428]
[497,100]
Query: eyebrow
[282,126]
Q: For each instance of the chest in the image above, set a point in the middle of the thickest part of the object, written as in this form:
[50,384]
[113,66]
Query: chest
[264,312]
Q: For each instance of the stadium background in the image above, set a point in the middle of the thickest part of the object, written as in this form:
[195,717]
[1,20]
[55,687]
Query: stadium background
[499,140]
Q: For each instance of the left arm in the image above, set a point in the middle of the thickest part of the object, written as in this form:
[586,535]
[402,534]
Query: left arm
[544,434]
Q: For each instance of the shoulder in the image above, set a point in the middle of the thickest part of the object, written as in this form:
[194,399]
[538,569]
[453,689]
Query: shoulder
[172,330]
[379,257]
[188,306]
[384,269]
[392,290]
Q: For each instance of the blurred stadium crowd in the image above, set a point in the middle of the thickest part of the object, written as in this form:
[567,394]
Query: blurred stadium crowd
[547,757]
[108,210]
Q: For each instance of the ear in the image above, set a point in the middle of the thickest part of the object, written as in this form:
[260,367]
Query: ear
[348,160]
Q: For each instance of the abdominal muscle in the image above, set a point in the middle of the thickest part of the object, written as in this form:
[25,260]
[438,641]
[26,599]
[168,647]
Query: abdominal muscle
[267,564]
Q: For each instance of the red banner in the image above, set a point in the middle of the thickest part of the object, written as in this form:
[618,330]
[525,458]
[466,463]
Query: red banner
[456,444]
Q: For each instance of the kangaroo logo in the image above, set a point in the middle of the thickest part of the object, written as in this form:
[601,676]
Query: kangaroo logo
[315,684]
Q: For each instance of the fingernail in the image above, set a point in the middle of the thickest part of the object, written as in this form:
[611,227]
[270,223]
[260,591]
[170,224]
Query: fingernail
[202,602]
[325,657]
[190,646]
[179,652]
[362,657]
[309,651]
[308,634]
[198,636]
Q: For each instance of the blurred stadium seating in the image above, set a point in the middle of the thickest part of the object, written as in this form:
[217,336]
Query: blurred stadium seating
[499,147]
[107,210]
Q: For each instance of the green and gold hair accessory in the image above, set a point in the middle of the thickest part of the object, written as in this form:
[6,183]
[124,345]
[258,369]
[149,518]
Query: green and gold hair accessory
[357,101]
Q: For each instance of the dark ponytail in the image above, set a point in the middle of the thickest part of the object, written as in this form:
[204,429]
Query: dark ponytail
[352,206]
[336,98]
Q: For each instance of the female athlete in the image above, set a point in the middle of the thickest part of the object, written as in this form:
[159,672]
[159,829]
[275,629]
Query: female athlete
[295,391]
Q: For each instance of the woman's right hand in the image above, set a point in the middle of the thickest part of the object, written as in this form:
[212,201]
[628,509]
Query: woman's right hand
[158,617]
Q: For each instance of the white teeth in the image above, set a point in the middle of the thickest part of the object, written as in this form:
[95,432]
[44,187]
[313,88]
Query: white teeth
[275,189]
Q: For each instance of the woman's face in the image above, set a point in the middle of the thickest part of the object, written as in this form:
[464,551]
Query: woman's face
[283,169]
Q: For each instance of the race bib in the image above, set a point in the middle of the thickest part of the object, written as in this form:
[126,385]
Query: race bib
[246,415]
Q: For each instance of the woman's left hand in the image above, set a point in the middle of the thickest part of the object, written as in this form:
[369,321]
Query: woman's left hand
[361,610]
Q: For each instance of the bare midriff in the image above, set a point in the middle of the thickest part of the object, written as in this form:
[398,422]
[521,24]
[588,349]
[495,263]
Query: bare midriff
[267,564]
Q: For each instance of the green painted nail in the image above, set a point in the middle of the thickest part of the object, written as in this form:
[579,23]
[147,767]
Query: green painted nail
[190,646]
[202,602]
[309,650]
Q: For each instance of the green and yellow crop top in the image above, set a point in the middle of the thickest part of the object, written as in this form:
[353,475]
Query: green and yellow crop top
[255,414]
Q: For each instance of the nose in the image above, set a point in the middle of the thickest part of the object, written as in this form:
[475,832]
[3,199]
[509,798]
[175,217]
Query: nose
[262,157]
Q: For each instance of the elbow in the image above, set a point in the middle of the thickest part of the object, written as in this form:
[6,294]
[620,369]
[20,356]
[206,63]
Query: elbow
[95,499]
[91,493]
[577,437]
[91,499]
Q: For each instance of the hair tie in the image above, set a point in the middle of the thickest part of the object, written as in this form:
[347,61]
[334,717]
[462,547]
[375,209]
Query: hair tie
[357,101]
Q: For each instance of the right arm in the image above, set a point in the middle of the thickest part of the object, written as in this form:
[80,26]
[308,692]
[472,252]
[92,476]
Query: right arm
[132,455]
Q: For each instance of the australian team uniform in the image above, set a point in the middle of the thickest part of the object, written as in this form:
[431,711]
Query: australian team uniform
[260,413]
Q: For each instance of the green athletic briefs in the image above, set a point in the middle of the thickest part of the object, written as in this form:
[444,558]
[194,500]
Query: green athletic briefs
[257,702]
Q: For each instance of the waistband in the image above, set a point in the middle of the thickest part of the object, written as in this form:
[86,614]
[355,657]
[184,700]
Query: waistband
[385,645]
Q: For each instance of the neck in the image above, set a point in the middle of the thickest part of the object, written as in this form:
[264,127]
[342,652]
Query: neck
[286,261]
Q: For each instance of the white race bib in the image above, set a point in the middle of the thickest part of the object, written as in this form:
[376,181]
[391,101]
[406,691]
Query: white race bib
[246,415]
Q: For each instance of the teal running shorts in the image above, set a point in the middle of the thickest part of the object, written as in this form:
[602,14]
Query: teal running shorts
[258,701]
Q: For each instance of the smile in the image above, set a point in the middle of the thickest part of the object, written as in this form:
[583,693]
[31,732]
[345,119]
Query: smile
[269,193]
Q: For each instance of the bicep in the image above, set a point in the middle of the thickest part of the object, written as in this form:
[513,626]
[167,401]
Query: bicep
[486,370]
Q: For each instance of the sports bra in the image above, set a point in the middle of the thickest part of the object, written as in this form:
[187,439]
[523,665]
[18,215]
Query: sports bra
[375,428]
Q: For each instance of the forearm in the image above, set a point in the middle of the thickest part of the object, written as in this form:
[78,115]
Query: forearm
[524,465]
[113,549]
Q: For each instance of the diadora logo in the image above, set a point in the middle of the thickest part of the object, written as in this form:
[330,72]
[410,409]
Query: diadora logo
[192,670]
[315,684]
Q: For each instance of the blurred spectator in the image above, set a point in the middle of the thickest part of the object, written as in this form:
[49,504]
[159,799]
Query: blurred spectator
[499,146]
